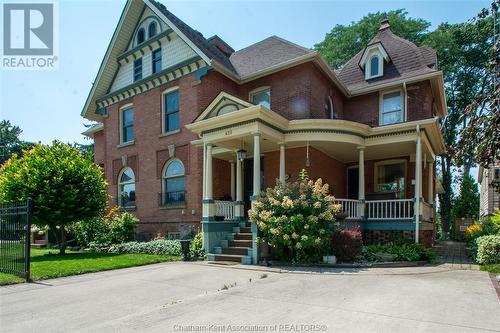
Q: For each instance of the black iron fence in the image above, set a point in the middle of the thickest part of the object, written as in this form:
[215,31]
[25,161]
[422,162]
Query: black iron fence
[15,229]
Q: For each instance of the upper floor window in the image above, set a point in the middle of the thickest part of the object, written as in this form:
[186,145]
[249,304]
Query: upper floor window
[171,111]
[261,96]
[156,60]
[392,108]
[151,29]
[174,184]
[137,69]
[126,188]
[374,68]
[141,36]
[127,125]
[329,109]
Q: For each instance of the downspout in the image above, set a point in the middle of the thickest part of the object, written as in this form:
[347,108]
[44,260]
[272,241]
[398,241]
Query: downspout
[406,100]
[418,177]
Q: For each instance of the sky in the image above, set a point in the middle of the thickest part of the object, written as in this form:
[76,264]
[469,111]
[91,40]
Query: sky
[47,104]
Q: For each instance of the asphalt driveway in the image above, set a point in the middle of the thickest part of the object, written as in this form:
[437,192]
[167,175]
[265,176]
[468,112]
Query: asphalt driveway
[186,297]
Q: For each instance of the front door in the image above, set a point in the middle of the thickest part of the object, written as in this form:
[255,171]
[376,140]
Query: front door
[353,183]
[248,181]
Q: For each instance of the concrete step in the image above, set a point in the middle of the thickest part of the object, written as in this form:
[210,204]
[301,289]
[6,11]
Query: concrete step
[244,251]
[240,243]
[236,230]
[245,230]
[228,257]
[243,236]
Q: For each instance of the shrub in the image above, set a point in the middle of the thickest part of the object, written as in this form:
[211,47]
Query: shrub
[299,216]
[400,252]
[196,247]
[162,247]
[472,232]
[488,249]
[347,244]
[115,227]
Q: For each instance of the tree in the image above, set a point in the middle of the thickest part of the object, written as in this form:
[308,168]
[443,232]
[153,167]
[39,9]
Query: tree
[467,202]
[481,137]
[10,143]
[343,42]
[66,186]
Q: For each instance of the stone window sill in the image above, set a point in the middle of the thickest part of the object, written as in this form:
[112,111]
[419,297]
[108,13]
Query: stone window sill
[126,144]
[170,133]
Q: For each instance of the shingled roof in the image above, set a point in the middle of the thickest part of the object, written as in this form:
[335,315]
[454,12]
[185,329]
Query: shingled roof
[407,60]
[252,59]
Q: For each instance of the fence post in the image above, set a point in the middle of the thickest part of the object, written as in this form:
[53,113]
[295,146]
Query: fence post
[27,243]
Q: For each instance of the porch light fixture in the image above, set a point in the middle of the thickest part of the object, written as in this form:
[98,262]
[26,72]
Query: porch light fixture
[242,154]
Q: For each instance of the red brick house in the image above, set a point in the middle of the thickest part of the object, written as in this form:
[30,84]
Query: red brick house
[189,130]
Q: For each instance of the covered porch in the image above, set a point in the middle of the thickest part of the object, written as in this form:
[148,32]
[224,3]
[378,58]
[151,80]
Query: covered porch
[383,178]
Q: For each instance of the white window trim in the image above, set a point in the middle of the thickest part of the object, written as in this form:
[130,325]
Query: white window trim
[165,92]
[124,183]
[163,178]
[368,65]
[259,90]
[121,110]
[387,162]
[381,105]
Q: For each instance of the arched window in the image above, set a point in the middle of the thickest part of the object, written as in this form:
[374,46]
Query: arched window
[141,36]
[374,70]
[174,184]
[126,188]
[329,109]
[151,29]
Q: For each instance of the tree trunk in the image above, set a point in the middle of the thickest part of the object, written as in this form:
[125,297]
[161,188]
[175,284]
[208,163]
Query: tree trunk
[62,248]
[445,198]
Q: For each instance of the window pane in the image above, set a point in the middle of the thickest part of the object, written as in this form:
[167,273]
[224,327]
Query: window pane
[175,184]
[127,176]
[172,102]
[263,98]
[128,117]
[175,168]
[392,110]
[374,66]
[128,125]
[140,36]
[138,69]
[127,195]
[172,122]
[128,134]
[156,60]
[391,178]
[152,29]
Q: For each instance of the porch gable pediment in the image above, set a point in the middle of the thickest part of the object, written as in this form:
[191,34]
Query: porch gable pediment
[222,104]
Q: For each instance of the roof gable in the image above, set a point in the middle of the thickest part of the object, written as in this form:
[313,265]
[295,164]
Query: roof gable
[222,104]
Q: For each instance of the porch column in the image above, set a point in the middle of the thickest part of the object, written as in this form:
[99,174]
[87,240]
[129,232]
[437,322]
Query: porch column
[233,190]
[256,165]
[208,201]
[418,184]
[430,182]
[239,213]
[282,163]
[361,181]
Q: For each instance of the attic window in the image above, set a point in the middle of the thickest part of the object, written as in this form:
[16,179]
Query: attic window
[374,66]
[151,29]
[372,61]
[141,36]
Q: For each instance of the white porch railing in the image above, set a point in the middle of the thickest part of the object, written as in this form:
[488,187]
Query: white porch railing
[350,207]
[225,208]
[395,209]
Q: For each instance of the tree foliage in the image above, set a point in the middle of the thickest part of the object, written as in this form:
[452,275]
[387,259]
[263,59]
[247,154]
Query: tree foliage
[467,202]
[65,186]
[10,143]
[481,136]
[343,42]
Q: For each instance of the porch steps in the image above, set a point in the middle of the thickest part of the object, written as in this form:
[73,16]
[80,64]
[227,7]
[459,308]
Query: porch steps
[236,248]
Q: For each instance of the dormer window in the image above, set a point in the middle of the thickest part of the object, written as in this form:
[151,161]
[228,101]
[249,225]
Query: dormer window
[141,36]
[152,29]
[372,61]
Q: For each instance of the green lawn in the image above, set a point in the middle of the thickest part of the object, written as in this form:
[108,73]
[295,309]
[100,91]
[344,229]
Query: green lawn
[493,268]
[46,264]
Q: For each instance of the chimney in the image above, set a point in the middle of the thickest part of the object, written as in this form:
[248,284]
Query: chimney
[384,24]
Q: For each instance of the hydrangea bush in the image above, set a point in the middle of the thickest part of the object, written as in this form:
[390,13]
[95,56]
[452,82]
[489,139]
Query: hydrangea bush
[299,216]
[162,247]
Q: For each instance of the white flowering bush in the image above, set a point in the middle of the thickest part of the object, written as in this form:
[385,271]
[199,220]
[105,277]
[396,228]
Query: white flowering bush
[299,216]
[161,246]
